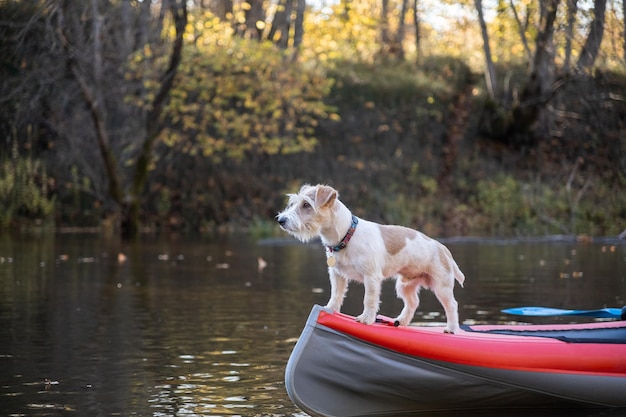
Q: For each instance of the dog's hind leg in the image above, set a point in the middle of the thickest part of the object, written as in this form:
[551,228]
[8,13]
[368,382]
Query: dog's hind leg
[445,295]
[338,288]
[408,290]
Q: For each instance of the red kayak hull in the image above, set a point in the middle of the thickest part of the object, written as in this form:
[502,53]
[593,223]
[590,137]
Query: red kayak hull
[493,350]
[340,367]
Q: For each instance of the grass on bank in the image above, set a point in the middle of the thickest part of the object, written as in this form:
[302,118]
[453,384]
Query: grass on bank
[24,195]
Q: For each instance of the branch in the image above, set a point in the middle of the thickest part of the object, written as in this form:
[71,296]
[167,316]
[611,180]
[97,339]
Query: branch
[553,222]
[547,96]
[179,14]
[167,79]
[613,96]
[565,114]
[521,31]
[582,191]
[97,114]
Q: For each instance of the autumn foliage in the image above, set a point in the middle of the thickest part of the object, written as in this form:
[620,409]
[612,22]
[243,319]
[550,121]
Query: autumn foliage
[183,116]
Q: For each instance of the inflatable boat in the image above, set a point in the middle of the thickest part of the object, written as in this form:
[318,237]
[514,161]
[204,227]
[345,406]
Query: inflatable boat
[340,367]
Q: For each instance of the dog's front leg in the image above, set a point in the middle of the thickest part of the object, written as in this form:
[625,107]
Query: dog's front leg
[338,288]
[371,300]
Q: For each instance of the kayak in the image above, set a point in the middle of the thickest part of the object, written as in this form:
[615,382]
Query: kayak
[340,367]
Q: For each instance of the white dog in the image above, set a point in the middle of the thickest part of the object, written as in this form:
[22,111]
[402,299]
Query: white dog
[364,251]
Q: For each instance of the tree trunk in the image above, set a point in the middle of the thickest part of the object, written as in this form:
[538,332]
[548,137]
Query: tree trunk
[278,21]
[220,8]
[541,74]
[416,22]
[624,29]
[384,27]
[594,38]
[93,97]
[254,13]
[281,24]
[511,124]
[537,92]
[572,9]
[82,34]
[283,42]
[398,47]
[130,220]
[298,27]
[490,72]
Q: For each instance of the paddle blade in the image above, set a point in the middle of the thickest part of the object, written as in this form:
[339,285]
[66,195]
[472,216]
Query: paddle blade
[604,313]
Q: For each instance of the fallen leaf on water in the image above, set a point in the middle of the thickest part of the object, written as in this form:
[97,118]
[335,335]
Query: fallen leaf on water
[262,264]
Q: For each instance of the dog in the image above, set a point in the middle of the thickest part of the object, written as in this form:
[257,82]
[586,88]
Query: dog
[368,252]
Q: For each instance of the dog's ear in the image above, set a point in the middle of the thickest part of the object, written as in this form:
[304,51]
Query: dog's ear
[325,196]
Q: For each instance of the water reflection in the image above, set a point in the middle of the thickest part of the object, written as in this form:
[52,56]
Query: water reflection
[168,328]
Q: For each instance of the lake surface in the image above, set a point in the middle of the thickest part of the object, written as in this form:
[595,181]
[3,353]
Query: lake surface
[97,327]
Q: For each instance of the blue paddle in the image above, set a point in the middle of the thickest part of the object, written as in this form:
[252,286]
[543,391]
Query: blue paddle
[604,313]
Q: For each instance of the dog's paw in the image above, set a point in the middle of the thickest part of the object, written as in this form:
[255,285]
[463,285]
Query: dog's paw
[450,330]
[402,321]
[333,307]
[366,318]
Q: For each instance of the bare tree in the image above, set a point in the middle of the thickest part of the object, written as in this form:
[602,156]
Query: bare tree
[591,47]
[92,91]
[542,64]
[81,32]
[392,44]
[254,13]
[539,88]
[178,9]
[298,32]
[286,31]
[572,9]
[511,123]
[281,24]
[384,27]
[398,49]
[490,72]
[29,71]
[416,23]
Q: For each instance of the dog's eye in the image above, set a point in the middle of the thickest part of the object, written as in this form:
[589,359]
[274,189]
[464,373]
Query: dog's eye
[306,205]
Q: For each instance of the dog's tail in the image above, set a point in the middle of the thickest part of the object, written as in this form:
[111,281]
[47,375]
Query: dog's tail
[460,277]
[448,260]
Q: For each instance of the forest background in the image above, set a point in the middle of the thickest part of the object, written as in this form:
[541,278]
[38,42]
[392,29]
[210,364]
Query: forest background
[459,118]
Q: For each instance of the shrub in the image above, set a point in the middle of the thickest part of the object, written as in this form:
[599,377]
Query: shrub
[23,190]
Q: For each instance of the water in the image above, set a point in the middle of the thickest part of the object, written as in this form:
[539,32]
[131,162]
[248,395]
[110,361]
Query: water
[93,327]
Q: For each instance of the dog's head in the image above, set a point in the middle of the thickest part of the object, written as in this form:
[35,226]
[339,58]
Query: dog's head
[308,211]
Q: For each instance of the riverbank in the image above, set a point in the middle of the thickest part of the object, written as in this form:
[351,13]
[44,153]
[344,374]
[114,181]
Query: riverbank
[407,148]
